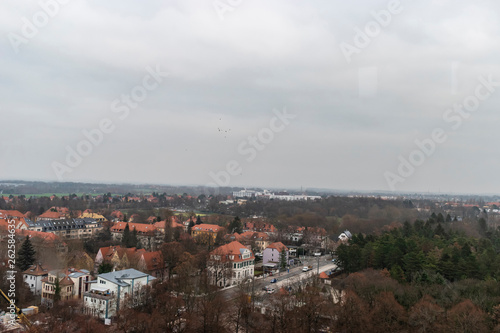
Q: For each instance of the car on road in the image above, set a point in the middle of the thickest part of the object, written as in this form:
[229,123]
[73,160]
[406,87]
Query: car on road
[274,280]
[334,260]
[305,269]
[270,290]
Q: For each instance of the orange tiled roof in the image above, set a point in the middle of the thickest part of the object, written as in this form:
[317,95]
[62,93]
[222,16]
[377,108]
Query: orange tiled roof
[153,260]
[207,227]
[11,213]
[233,248]
[161,225]
[36,269]
[45,236]
[140,227]
[278,246]
[255,235]
[51,215]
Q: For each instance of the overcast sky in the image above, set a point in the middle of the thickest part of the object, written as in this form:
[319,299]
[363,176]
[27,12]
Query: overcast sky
[358,102]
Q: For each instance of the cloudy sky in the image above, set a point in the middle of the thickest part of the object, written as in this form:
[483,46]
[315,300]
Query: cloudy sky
[283,93]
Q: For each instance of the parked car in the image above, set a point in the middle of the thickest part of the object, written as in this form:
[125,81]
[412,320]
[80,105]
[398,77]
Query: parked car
[270,290]
[305,269]
[274,280]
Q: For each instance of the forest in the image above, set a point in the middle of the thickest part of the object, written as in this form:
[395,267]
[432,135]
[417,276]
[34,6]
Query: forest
[436,276]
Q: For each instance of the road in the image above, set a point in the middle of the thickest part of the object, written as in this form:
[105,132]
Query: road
[284,278]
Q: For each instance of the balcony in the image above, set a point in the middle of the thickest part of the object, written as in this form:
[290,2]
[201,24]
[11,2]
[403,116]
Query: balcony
[104,295]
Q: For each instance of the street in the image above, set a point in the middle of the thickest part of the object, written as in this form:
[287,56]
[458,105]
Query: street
[295,276]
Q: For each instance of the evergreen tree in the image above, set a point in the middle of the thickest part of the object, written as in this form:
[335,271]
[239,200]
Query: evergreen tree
[483,226]
[26,255]
[198,220]
[190,226]
[105,268]
[440,218]
[126,236]
[448,218]
[57,289]
[235,226]
[283,258]
[133,239]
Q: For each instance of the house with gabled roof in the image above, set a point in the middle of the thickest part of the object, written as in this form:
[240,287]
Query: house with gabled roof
[118,257]
[55,213]
[91,215]
[345,236]
[111,291]
[33,276]
[73,283]
[147,234]
[272,255]
[152,263]
[230,264]
[205,233]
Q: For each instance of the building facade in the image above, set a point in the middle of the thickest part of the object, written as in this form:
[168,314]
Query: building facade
[230,264]
[113,290]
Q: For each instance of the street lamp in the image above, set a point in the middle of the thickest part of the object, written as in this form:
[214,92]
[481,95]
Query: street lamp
[318,266]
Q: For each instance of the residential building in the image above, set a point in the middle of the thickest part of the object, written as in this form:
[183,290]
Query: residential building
[113,290]
[345,236]
[91,215]
[147,234]
[152,263]
[55,213]
[230,264]
[206,233]
[273,256]
[117,256]
[42,241]
[72,282]
[68,228]
[258,226]
[259,240]
[33,276]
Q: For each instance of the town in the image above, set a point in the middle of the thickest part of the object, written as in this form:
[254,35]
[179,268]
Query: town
[107,266]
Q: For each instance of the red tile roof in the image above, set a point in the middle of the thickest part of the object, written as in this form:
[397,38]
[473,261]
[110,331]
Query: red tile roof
[207,227]
[52,215]
[251,235]
[11,213]
[234,248]
[173,224]
[323,275]
[45,236]
[36,269]
[108,252]
[279,246]
[140,227]
[153,260]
